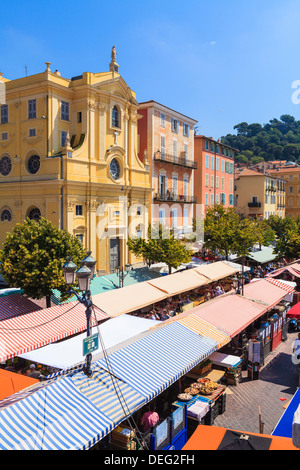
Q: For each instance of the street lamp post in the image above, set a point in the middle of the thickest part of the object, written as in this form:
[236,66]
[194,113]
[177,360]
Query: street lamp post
[84,275]
[122,274]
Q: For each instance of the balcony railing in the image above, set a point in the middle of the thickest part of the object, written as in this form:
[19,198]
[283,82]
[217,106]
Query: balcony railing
[181,161]
[254,204]
[169,197]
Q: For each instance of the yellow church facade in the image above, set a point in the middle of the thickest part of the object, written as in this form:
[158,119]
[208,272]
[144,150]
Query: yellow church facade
[69,153]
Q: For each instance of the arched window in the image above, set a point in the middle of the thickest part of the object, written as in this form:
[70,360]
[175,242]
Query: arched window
[115,117]
[6,215]
[33,164]
[5,165]
[34,214]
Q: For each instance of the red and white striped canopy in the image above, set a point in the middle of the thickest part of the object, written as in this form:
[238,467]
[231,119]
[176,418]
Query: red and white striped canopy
[25,333]
[16,304]
[280,283]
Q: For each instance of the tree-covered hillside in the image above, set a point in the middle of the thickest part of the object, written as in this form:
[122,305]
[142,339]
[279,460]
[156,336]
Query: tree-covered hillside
[276,140]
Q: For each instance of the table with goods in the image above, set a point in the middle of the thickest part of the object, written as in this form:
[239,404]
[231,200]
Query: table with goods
[204,400]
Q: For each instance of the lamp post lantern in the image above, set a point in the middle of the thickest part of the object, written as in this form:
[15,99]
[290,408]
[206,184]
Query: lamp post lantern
[122,274]
[84,275]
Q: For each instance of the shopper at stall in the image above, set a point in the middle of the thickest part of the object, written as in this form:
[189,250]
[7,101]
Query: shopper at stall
[150,418]
[296,349]
[33,372]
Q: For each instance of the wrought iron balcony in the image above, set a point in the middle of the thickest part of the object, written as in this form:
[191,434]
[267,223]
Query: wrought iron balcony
[254,204]
[169,197]
[181,161]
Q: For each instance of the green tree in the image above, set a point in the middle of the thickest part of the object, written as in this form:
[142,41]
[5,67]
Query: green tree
[289,245]
[161,246]
[219,229]
[33,255]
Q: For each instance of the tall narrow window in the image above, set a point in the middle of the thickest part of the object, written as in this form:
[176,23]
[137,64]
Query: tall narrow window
[162,184]
[185,218]
[174,218]
[162,216]
[4,113]
[31,109]
[186,151]
[115,117]
[162,145]
[174,148]
[185,186]
[64,111]
[162,120]
[175,185]
[206,161]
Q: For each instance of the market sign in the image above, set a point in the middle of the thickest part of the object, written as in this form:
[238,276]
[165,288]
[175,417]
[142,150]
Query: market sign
[90,344]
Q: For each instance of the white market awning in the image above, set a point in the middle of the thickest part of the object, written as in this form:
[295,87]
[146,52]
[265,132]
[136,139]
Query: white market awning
[69,352]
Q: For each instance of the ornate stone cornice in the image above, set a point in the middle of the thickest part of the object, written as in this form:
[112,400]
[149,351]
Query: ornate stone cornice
[70,204]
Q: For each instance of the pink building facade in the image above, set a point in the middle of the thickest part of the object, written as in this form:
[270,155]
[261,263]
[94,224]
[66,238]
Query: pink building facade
[166,140]
[214,177]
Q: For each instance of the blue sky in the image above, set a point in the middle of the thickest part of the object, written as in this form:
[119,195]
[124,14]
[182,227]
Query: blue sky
[220,62]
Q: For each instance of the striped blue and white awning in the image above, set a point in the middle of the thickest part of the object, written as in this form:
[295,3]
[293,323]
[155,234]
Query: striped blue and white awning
[73,411]
[153,363]
[57,416]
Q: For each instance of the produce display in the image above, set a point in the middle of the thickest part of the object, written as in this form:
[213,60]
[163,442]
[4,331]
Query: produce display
[201,387]
[184,396]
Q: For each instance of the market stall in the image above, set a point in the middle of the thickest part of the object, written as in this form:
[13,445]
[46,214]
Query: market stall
[171,433]
[204,400]
[67,353]
[232,365]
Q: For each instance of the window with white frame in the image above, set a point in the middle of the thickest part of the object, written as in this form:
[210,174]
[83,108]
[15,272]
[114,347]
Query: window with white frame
[206,199]
[206,180]
[162,120]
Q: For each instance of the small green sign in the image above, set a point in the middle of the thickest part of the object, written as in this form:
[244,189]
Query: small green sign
[90,344]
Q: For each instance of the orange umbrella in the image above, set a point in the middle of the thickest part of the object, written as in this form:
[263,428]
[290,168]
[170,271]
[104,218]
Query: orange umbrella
[210,437]
[10,383]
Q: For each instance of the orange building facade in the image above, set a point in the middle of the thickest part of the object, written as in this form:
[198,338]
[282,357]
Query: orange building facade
[166,142]
[214,176]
